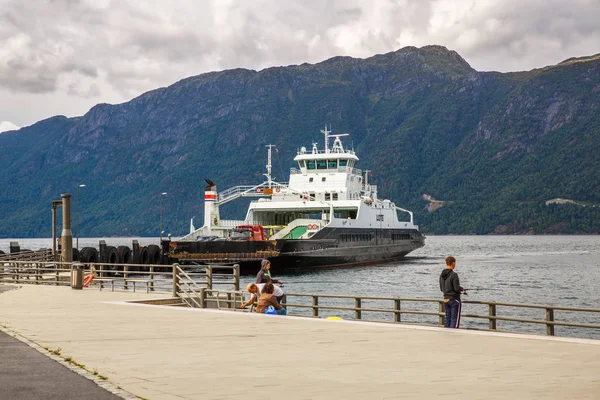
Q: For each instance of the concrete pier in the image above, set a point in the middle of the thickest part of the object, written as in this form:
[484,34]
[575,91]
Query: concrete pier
[180,353]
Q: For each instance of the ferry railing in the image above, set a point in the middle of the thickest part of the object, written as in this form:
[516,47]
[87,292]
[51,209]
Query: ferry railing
[155,277]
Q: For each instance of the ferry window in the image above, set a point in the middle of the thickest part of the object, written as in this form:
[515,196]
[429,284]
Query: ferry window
[321,164]
[301,163]
[351,163]
[334,196]
[327,196]
[332,164]
[343,163]
[310,164]
[323,179]
[310,179]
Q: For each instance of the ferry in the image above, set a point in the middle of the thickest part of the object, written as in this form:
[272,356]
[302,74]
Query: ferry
[328,215]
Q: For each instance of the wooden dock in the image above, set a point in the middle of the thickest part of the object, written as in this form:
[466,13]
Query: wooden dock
[158,352]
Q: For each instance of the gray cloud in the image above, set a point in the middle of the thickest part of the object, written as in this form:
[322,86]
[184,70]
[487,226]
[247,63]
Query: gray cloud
[91,51]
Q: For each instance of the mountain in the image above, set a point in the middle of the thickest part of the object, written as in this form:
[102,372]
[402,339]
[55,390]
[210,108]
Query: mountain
[491,148]
[8,126]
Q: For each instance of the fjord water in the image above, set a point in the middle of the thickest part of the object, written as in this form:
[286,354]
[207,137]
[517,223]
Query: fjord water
[548,270]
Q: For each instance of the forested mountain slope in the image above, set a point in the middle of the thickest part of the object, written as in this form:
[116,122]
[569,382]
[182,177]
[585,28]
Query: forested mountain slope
[493,147]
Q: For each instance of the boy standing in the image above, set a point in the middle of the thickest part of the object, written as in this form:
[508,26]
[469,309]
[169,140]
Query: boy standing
[450,286]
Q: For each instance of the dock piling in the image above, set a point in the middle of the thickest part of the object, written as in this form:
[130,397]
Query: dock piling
[66,237]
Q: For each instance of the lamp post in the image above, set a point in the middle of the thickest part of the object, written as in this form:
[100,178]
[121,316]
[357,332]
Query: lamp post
[160,227]
[77,218]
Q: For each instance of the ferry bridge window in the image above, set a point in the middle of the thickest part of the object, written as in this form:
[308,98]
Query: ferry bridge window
[321,164]
[301,163]
[332,164]
[343,163]
[311,164]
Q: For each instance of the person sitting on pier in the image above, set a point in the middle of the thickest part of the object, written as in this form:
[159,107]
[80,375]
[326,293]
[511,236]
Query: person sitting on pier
[267,298]
[254,291]
[278,291]
[265,272]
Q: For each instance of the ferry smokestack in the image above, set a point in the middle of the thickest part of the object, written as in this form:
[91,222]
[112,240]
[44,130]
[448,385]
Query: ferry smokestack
[66,238]
[211,208]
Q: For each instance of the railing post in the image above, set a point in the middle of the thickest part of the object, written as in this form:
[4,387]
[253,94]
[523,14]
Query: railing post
[397,308]
[152,277]
[492,313]
[442,313]
[549,318]
[236,276]
[208,270]
[202,298]
[175,280]
[125,276]
[315,306]
[357,306]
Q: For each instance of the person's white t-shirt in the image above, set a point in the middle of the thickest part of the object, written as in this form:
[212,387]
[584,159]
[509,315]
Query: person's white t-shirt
[278,291]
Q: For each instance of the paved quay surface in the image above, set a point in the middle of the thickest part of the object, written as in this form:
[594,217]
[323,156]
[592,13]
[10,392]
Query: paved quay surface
[178,353]
[26,374]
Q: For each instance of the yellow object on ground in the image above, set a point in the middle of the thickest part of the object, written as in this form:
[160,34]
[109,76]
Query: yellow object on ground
[333,318]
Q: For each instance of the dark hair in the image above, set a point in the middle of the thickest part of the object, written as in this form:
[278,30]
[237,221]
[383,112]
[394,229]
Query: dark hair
[450,260]
[268,288]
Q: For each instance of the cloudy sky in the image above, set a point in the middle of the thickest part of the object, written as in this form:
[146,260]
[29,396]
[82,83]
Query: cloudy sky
[64,56]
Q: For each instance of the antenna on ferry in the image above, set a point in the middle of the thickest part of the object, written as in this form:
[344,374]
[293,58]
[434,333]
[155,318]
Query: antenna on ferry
[268,174]
[326,133]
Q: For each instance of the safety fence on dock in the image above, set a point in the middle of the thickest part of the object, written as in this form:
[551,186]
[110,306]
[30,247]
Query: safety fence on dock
[477,315]
[173,279]
[217,286]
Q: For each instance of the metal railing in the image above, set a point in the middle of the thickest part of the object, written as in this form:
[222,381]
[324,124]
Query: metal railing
[155,278]
[395,307]
[192,293]
[196,287]
[39,255]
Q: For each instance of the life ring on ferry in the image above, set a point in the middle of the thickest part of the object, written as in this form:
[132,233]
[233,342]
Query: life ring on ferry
[88,279]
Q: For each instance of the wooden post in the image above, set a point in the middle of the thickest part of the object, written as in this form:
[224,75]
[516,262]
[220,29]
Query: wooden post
[549,318]
[315,308]
[152,277]
[125,276]
[175,280]
[357,306]
[397,308]
[236,276]
[492,313]
[208,270]
[202,298]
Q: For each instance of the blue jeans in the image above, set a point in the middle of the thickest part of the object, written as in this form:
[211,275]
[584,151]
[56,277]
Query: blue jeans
[452,309]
